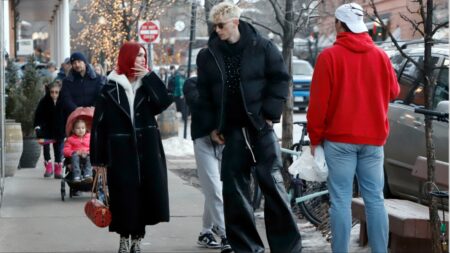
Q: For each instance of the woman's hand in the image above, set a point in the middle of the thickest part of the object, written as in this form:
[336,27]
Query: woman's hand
[140,71]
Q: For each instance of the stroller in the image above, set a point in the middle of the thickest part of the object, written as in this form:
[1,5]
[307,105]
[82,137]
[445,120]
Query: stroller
[87,114]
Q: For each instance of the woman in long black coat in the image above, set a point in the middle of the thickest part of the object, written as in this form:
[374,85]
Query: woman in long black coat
[125,138]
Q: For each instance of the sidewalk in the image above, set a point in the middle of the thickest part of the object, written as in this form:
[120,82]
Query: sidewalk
[34,219]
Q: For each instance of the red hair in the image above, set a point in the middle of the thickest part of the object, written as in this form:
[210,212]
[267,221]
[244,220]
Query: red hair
[127,57]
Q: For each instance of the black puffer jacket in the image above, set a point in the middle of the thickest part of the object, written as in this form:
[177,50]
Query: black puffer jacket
[264,80]
[199,127]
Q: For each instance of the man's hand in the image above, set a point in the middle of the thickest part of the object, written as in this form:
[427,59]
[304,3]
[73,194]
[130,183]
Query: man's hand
[217,137]
[269,122]
[313,149]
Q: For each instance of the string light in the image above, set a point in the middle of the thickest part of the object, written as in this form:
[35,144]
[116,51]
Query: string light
[108,23]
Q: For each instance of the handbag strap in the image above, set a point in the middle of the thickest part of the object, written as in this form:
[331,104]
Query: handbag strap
[100,172]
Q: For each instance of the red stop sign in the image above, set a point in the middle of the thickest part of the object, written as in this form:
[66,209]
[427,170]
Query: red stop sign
[149,32]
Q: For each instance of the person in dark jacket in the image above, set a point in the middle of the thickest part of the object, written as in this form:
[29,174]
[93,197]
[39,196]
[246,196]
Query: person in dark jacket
[125,138]
[81,87]
[64,69]
[208,156]
[49,128]
[175,86]
[243,82]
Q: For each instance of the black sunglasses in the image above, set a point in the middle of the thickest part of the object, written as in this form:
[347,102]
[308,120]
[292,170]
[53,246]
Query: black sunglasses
[221,25]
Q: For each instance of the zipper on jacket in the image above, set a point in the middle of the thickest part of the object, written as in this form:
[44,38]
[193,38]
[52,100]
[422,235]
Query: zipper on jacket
[245,106]
[222,105]
[247,142]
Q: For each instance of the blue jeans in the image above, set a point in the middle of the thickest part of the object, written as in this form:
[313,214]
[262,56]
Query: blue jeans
[366,161]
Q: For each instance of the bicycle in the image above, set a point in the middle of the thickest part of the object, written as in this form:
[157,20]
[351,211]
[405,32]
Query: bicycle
[310,197]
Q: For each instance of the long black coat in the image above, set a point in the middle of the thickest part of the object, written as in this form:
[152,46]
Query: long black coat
[264,79]
[133,154]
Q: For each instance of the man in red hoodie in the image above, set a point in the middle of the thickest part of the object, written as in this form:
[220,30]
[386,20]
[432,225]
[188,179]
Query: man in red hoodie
[352,85]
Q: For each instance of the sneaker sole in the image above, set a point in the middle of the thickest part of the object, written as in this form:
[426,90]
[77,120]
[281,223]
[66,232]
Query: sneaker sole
[204,245]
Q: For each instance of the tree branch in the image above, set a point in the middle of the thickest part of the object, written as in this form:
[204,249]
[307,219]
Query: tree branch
[393,39]
[278,12]
[439,26]
[414,24]
[251,21]
[422,11]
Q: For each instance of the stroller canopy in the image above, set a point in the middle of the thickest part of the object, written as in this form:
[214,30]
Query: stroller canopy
[84,113]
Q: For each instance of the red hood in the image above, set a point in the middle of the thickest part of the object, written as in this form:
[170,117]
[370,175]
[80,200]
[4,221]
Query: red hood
[356,42]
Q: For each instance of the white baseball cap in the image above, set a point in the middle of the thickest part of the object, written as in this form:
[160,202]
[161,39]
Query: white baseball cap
[352,15]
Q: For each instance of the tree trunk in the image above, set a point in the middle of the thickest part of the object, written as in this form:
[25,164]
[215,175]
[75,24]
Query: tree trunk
[287,123]
[431,155]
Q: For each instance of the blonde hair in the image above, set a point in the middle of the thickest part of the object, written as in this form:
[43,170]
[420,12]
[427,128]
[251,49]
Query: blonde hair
[224,11]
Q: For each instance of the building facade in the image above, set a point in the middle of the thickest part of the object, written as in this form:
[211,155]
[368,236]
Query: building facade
[390,11]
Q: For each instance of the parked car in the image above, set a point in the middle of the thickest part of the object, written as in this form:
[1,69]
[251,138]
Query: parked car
[407,129]
[302,72]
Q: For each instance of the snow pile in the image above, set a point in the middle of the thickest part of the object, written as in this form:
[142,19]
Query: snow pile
[177,146]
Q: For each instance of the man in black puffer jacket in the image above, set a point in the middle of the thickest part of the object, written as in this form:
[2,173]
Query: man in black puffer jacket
[81,87]
[243,83]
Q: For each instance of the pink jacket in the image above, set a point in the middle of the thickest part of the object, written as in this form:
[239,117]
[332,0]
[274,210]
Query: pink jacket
[75,143]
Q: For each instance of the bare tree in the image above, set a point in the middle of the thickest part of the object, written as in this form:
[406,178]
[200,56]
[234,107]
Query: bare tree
[426,27]
[291,17]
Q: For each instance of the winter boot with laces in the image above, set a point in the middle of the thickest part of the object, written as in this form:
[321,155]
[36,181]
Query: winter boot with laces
[124,246]
[135,245]
[48,168]
[58,170]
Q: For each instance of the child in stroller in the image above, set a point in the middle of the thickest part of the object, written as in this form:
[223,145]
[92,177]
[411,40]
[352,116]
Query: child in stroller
[76,147]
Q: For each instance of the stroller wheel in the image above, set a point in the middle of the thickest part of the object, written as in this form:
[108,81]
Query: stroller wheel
[63,189]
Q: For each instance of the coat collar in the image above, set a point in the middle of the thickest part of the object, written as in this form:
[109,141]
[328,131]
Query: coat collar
[130,91]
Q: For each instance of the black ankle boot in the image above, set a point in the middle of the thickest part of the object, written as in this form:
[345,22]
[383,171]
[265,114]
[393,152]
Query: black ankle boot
[124,246]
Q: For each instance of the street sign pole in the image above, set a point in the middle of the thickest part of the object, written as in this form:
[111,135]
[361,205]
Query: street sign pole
[191,41]
[150,55]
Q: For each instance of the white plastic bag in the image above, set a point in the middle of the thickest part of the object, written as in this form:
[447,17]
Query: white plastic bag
[310,168]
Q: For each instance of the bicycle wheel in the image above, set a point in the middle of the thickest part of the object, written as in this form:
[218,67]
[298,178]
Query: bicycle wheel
[313,209]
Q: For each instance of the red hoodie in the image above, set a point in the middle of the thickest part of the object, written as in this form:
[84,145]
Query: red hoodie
[352,85]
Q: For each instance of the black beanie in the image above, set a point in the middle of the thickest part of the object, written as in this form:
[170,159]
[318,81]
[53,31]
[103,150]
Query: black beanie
[78,56]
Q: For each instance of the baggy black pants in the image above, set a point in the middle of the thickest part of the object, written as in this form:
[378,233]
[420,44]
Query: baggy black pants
[281,228]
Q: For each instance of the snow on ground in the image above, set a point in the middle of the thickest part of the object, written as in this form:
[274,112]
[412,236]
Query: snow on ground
[177,146]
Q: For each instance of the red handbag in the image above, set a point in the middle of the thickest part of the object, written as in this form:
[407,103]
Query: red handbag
[97,211]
